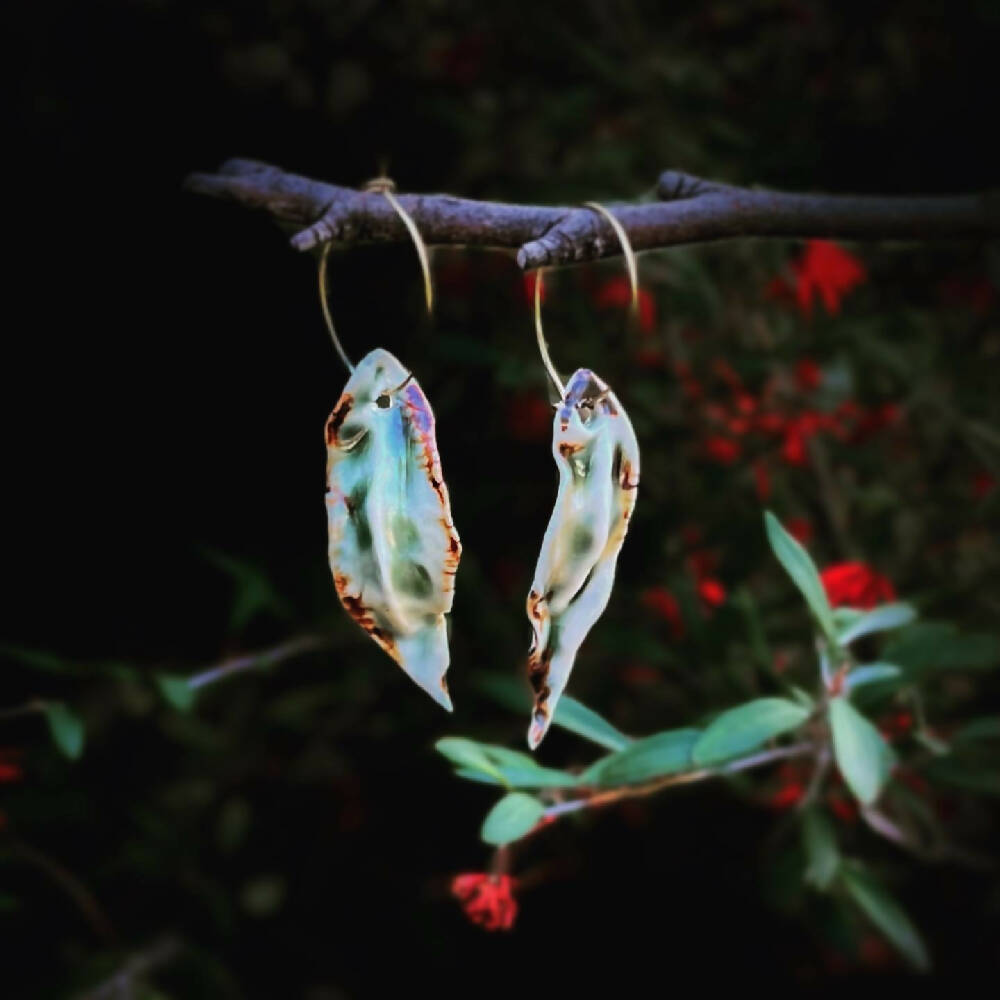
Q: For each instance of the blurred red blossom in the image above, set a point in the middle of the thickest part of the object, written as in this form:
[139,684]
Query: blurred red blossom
[827,270]
[824,269]
[722,450]
[792,787]
[10,770]
[712,592]
[808,374]
[488,900]
[618,292]
[661,602]
[844,808]
[983,484]
[800,528]
[856,585]
[896,725]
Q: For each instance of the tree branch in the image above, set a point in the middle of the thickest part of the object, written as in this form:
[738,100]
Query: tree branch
[689,210]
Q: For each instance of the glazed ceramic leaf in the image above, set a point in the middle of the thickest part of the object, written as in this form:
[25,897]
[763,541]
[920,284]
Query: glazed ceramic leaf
[598,458]
[393,548]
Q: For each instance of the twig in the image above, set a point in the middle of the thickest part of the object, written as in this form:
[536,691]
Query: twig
[685,778]
[122,983]
[690,210]
[259,660]
[85,900]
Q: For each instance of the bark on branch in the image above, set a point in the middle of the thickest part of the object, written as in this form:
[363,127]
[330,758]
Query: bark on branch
[689,210]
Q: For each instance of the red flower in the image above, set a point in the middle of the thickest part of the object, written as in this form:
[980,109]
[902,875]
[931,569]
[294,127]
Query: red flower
[983,484]
[725,371]
[896,725]
[808,374]
[712,592]
[800,528]
[10,770]
[722,450]
[661,602]
[793,447]
[874,420]
[487,900]
[856,585]
[827,270]
[845,809]
[792,787]
[771,423]
[618,292]
[787,795]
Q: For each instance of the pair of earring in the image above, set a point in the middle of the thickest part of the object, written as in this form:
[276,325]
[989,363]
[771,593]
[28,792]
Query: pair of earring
[393,547]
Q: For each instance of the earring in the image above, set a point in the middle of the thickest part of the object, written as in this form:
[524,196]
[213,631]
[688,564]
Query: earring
[393,548]
[597,454]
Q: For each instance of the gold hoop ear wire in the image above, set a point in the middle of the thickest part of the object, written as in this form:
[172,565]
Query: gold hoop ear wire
[385,186]
[326,308]
[542,346]
[631,264]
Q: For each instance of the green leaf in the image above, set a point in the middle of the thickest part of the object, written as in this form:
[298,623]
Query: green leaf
[521,770]
[653,757]
[39,659]
[871,673]
[746,727]
[176,691]
[927,646]
[987,728]
[577,718]
[799,566]
[820,843]
[511,818]
[570,713]
[863,756]
[66,728]
[886,914]
[254,592]
[879,619]
[495,765]
[956,774]
[470,755]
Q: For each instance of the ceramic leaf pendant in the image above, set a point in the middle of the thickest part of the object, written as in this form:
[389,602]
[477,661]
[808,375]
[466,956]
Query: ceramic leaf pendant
[393,548]
[597,454]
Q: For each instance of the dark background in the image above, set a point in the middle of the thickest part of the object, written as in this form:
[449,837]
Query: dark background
[167,376]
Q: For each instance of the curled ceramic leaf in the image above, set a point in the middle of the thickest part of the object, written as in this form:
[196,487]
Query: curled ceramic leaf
[393,548]
[598,458]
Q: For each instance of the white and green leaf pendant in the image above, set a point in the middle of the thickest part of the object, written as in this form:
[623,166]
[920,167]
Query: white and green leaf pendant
[393,548]
[597,454]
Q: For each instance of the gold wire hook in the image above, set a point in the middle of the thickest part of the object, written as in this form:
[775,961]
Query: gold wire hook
[542,346]
[631,264]
[326,308]
[386,186]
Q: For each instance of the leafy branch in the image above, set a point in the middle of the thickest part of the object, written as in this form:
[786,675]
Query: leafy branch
[827,728]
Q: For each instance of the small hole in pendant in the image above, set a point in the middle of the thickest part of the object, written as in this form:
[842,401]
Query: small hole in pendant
[383,402]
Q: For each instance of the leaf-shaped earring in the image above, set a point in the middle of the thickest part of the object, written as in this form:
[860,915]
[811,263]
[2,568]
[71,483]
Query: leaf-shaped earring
[597,455]
[393,548]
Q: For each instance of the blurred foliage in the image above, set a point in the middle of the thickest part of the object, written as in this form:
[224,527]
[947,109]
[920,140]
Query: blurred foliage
[293,819]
